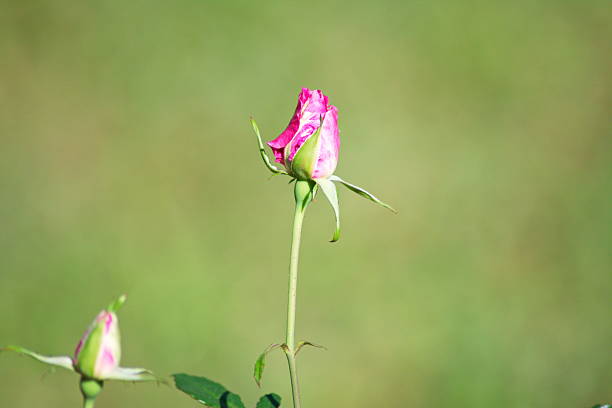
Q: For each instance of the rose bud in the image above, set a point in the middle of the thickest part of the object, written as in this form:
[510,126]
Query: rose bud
[309,147]
[97,355]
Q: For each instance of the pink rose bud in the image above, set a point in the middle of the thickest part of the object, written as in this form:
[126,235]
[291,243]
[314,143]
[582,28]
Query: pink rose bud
[309,147]
[98,353]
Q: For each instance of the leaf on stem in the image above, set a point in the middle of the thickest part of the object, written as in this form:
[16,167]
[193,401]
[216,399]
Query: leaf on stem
[307,343]
[361,192]
[59,361]
[262,151]
[269,401]
[329,189]
[260,364]
[207,392]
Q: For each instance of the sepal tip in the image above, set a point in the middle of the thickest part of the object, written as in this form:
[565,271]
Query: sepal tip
[363,193]
[116,304]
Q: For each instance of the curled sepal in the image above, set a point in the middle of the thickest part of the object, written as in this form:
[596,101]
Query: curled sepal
[260,364]
[262,151]
[131,374]
[307,343]
[269,401]
[329,189]
[58,361]
[361,192]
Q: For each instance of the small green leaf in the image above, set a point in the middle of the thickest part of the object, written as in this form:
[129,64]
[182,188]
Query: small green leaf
[269,401]
[361,192]
[207,392]
[260,364]
[231,400]
[59,361]
[307,343]
[262,151]
[329,189]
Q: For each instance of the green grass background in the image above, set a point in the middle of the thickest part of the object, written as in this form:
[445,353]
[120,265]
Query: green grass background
[127,165]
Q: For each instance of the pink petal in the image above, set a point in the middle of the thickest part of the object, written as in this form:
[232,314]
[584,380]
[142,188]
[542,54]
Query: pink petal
[312,104]
[278,144]
[329,146]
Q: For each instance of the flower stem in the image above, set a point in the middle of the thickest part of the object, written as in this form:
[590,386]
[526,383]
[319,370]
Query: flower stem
[89,402]
[295,386]
[303,196]
[293,275]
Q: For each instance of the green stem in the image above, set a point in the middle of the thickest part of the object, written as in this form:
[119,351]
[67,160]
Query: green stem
[295,386]
[303,196]
[89,402]
[293,275]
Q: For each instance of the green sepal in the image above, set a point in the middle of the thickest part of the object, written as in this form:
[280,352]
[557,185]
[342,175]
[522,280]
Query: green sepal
[304,160]
[58,361]
[269,401]
[207,392]
[329,189]
[88,356]
[116,304]
[362,192]
[260,364]
[307,343]
[262,151]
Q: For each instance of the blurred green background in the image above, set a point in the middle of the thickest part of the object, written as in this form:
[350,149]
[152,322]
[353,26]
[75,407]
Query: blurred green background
[127,165]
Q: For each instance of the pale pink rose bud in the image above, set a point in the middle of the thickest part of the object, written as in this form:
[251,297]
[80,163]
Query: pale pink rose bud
[96,356]
[98,353]
[309,147]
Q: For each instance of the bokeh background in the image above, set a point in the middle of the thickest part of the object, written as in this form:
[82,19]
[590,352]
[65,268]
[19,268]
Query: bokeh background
[127,165]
